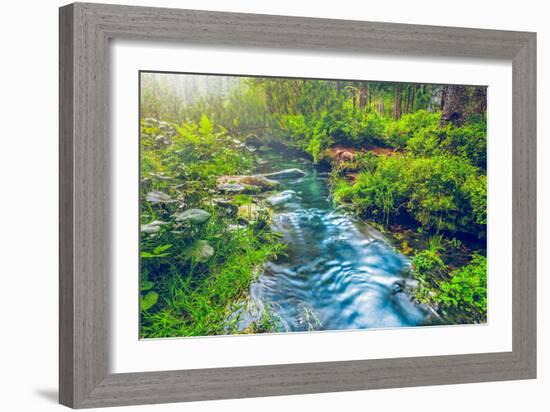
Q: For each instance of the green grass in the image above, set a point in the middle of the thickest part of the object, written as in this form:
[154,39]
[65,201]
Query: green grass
[200,300]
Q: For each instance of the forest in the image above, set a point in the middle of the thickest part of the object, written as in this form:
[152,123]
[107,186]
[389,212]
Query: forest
[281,204]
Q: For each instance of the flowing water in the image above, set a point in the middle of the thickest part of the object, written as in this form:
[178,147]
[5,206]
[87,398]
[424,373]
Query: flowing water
[340,273]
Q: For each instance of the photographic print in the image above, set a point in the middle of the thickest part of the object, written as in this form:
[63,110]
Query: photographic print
[277,205]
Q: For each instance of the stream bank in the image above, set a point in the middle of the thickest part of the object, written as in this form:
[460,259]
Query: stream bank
[338,272]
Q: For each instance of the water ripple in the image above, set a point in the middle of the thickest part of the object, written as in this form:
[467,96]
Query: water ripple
[339,273]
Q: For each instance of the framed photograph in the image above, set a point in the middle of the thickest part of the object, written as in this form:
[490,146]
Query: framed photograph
[256,205]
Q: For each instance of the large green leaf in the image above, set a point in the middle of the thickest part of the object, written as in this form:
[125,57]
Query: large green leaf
[205,125]
[200,251]
[149,300]
[193,216]
[146,285]
[149,255]
[159,249]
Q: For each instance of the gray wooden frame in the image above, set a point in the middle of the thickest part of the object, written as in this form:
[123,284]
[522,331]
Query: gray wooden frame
[85,31]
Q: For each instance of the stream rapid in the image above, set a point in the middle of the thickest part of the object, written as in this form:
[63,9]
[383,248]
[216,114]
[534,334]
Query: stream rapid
[338,272]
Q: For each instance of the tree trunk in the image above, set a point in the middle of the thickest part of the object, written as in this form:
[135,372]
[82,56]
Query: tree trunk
[363,95]
[413,97]
[480,96]
[397,101]
[454,100]
[368,95]
[269,98]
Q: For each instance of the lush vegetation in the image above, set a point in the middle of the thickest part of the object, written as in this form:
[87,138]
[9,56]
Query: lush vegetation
[409,158]
[440,192]
[461,293]
[195,267]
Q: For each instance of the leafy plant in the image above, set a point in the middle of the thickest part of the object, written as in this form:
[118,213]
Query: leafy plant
[199,251]
[429,266]
[158,252]
[435,243]
[465,293]
[441,193]
[398,133]
[146,285]
[461,293]
[149,300]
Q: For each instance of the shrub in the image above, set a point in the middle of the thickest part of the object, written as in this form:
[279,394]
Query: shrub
[399,132]
[429,267]
[294,127]
[440,193]
[424,142]
[351,125]
[372,128]
[342,191]
[465,294]
[468,142]
[438,197]
[381,193]
[318,142]
[461,294]
[346,124]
